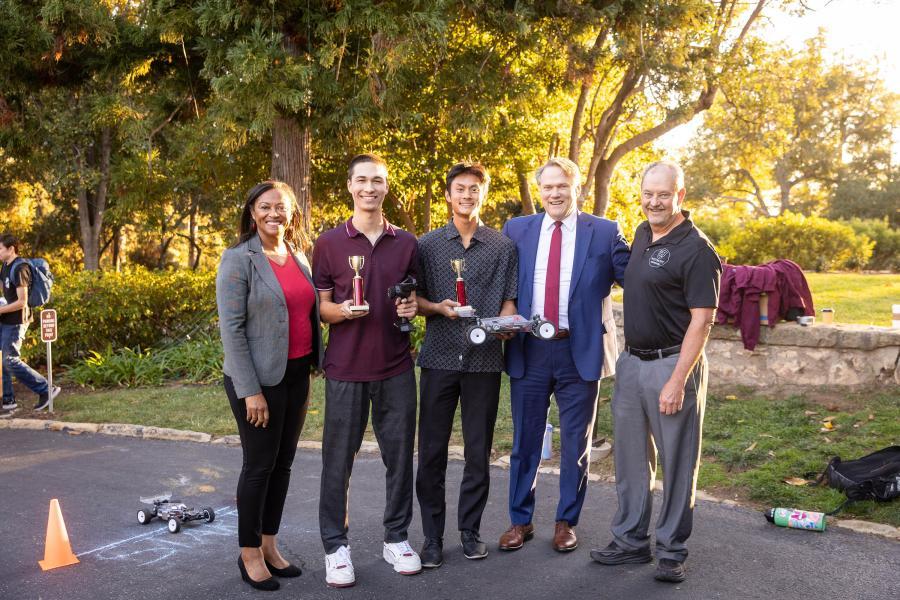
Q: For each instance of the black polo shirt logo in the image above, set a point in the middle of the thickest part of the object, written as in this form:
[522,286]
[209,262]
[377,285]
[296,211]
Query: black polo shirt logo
[660,257]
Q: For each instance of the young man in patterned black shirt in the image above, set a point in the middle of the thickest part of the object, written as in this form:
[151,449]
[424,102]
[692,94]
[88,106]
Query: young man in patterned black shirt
[454,372]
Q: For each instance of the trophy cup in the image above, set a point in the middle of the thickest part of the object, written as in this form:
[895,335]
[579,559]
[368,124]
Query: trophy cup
[359,303]
[459,265]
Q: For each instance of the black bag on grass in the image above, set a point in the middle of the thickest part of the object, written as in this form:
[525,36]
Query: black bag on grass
[873,477]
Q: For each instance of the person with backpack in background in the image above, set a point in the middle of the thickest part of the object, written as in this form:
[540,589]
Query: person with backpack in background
[16,277]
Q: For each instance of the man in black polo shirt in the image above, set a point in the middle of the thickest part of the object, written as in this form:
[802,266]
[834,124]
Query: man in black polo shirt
[454,372]
[367,363]
[670,300]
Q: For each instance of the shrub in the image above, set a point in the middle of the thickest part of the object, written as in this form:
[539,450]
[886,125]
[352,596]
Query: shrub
[886,255]
[717,228]
[136,308]
[192,361]
[812,242]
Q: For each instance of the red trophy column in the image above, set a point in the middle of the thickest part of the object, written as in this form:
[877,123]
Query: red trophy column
[359,298]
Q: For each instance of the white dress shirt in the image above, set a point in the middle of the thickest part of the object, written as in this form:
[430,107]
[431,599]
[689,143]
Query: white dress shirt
[567,259]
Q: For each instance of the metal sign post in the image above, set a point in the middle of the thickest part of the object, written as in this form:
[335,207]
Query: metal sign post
[48,334]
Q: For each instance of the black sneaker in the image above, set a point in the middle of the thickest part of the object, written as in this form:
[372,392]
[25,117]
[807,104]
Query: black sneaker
[432,553]
[669,570]
[11,405]
[44,399]
[472,545]
[613,555]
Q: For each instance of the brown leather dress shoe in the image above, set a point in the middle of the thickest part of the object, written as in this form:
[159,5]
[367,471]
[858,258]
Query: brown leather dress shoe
[564,540]
[516,536]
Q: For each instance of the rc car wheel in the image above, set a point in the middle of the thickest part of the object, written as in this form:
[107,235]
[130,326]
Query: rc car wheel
[546,330]
[174,525]
[477,335]
[208,513]
[144,516]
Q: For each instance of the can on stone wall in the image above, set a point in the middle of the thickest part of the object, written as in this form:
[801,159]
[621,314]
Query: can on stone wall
[895,320]
[828,316]
[763,309]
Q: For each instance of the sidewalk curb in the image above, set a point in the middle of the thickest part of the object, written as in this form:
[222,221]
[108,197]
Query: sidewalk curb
[454,453]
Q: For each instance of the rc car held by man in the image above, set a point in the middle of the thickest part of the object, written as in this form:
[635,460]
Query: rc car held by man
[536,326]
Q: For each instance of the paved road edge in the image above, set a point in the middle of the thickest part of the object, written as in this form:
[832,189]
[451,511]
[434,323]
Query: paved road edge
[456,453]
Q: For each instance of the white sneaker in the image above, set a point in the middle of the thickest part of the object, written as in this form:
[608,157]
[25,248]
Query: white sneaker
[339,568]
[403,557]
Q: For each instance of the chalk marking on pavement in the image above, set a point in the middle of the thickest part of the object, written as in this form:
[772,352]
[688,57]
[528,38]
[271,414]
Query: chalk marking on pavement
[219,512]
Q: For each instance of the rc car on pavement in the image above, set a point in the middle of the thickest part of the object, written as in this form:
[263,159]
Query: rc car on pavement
[174,512]
[536,326]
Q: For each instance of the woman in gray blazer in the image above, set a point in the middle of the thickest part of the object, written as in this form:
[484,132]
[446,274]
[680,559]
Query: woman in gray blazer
[269,322]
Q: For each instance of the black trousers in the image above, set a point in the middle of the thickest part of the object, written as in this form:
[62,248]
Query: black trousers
[269,452]
[478,394]
[393,403]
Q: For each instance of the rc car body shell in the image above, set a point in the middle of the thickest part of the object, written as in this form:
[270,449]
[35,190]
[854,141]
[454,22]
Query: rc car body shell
[536,326]
[173,512]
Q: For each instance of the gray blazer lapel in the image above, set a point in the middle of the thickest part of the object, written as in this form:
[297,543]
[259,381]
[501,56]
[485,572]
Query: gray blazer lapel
[262,266]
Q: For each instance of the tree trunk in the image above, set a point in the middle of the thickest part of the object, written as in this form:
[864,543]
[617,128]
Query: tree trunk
[408,223]
[575,133]
[602,177]
[553,150]
[785,196]
[164,251]
[525,193]
[586,84]
[193,254]
[90,234]
[92,203]
[605,166]
[429,198]
[760,204]
[606,127]
[291,152]
[292,161]
[119,241]
[115,251]
[603,160]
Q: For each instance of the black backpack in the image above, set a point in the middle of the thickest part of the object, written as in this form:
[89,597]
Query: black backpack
[873,477]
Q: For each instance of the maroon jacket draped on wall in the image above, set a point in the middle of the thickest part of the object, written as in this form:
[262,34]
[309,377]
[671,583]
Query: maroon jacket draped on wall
[783,282]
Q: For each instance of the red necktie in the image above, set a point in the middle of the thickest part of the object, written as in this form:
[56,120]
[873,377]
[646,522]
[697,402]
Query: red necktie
[551,286]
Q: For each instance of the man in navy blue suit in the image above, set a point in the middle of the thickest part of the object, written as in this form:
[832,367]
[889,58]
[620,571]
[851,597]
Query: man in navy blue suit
[567,262]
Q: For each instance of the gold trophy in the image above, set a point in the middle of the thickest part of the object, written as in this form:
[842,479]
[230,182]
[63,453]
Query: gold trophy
[359,302]
[465,310]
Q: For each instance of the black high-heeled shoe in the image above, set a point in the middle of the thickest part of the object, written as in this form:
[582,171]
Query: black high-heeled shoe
[269,585]
[288,571]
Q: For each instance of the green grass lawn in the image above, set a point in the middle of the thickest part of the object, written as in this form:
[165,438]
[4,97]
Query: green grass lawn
[751,443]
[858,298]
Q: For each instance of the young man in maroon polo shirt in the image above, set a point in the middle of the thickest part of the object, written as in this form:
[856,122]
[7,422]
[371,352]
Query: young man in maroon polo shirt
[367,361]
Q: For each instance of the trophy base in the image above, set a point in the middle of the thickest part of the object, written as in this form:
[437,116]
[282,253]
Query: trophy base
[359,308]
[464,311]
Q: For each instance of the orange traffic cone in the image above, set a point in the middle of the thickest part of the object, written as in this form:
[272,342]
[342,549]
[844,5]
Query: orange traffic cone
[58,550]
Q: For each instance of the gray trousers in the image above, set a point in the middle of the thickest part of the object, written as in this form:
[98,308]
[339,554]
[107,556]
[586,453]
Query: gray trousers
[393,403]
[641,432]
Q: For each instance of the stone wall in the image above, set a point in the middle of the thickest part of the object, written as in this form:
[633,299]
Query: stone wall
[791,356]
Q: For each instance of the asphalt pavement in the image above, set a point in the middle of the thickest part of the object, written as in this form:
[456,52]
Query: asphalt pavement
[99,479]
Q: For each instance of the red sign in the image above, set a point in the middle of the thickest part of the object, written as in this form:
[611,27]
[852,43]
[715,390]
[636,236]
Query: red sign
[48,325]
